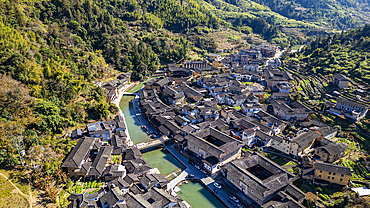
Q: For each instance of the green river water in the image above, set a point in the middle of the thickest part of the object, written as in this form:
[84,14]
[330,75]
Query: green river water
[156,158]
[163,160]
[137,134]
[194,193]
[198,197]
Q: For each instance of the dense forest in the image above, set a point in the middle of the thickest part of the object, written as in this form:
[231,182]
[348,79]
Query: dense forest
[337,14]
[345,52]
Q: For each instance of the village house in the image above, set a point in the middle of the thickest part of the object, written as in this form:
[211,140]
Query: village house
[271,121]
[275,77]
[77,134]
[100,162]
[152,107]
[304,141]
[124,78]
[326,174]
[350,109]
[295,146]
[281,96]
[341,80]
[289,198]
[77,163]
[173,96]
[209,112]
[255,89]
[251,106]
[204,71]
[158,83]
[179,75]
[117,195]
[259,178]
[189,129]
[214,147]
[112,89]
[190,92]
[275,63]
[327,132]
[248,136]
[189,110]
[150,180]
[290,110]
[251,53]
[284,87]
[235,99]
[214,57]
[250,109]
[148,94]
[195,64]
[181,121]
[281,144]
[330,152]
[91,158]
[268,50]
[101,129]
[246,131]
[156,197]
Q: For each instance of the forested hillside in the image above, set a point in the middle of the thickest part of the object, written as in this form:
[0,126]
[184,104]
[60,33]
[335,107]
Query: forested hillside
[51,51]
[339,14]
[291,21]
[346,53]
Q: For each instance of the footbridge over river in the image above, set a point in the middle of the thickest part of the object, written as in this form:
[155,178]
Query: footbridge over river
[153,143]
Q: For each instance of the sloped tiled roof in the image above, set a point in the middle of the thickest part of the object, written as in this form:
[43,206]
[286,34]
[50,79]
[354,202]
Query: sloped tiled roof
[332,168]
[78,153]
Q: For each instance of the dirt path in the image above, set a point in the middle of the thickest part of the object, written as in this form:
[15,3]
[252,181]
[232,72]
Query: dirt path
[29,198]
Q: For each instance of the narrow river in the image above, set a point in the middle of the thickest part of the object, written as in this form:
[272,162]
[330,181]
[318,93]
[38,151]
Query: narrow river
[194,193]
[198,197]
[137,134]
[156,158]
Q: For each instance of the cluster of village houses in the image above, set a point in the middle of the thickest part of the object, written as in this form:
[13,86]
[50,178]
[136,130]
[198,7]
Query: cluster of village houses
[213,115]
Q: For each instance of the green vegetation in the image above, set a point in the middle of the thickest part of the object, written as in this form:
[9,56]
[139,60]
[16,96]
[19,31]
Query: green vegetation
[337,14]
[136,88]
[345,53]
[9,197]
[237,108]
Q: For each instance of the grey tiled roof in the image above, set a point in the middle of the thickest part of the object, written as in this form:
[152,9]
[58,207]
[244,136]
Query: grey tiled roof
[120,183]
[352,103]
[325,131]
[100,161]
[154,180]
[333,168]
[279,179]
[111,197]
[136,167]
[294,107]
[340,77]
[333,149]
[295,192]
[78,153]
[230,144]
[306,138]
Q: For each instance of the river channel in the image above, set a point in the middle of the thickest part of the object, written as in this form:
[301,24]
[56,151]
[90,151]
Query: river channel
[156,158]
[137,134]
[194,193]
[198,197]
